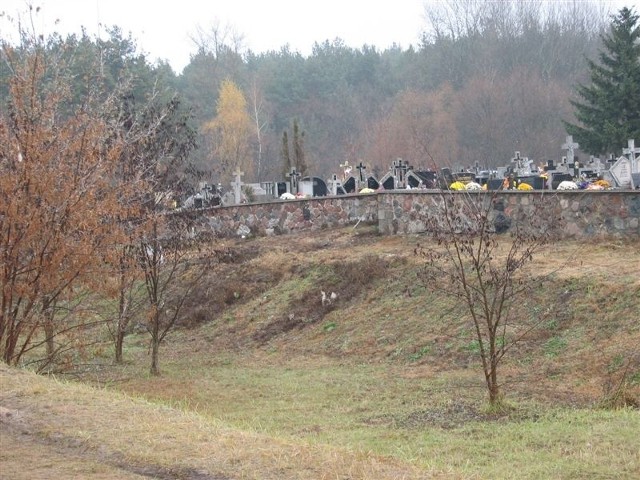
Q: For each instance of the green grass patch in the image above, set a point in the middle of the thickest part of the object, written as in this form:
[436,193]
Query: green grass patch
[374,408]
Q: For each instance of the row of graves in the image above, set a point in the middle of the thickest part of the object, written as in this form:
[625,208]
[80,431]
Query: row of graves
[522,174]
[400,176]
[570,173]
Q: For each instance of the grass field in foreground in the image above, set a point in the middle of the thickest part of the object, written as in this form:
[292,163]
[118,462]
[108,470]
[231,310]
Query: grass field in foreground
[267,384]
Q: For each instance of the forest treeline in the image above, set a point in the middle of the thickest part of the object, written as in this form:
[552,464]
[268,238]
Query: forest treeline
[487,79]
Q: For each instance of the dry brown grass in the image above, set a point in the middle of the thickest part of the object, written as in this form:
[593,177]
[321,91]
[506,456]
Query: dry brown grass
[257,326]
[80,432]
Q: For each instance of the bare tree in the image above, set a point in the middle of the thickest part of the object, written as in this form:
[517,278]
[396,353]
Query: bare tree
[172,266]
[483,259]
[257,117]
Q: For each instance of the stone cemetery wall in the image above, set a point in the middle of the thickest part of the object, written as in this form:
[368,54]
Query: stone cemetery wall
[286,216]
[581,213]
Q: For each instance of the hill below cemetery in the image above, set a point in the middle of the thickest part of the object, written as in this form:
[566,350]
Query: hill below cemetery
[264,379]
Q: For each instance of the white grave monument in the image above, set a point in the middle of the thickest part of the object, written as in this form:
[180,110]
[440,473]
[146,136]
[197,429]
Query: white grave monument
[621,173]
[631,151]
[237,186]
[570,147]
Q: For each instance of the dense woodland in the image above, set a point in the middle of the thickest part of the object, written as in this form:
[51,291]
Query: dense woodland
[488,78]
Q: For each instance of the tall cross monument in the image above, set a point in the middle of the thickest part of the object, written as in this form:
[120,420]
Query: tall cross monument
[570,146]
[632,152]
[237,186]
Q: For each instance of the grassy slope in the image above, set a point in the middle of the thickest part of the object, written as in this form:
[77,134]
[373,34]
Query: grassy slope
[265,382]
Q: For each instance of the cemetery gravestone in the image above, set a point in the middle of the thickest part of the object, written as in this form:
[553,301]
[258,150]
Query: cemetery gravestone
[631,151]
[621,172]
[237,186]
[293,179]
[570,146]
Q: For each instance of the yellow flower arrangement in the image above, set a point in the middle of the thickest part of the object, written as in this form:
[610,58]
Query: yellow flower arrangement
[525,186]
[457,186]
[602,183]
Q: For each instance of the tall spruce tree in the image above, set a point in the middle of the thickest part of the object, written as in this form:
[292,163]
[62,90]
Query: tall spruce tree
[298,149]
[284,154]
[608,113]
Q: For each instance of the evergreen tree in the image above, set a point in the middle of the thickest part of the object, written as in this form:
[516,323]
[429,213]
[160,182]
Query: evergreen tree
[298,149]
[284,153]
[298,161]
[609,112]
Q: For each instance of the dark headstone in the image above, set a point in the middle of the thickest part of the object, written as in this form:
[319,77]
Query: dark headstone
[349,185]
[558,178]
[536,182]
[281,188]
[319,186]
[428,178]
[464,177]
[494,184]
[389,184]
[447,176]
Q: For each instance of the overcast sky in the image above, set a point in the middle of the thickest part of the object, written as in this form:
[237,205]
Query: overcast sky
[162,28]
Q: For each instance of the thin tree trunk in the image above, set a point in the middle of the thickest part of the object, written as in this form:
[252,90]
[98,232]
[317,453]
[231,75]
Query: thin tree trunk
[48,309]
[119,344]
[155,347]
[123,316]
[49,333]
[155,343]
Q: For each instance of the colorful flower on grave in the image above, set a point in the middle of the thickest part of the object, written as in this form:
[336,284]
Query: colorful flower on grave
[367,190]
[583,185]
[602,183]
[473,186]
[595,186]
[525,186]
[456,186]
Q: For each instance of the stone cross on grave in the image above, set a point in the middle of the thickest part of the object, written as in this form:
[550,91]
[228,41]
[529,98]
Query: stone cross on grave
[595,164]
[522,166]
[293,179]
[399,172]
[570,146]
[346,169]
[631,152]
[360,168]
[237,186]
[334,183]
